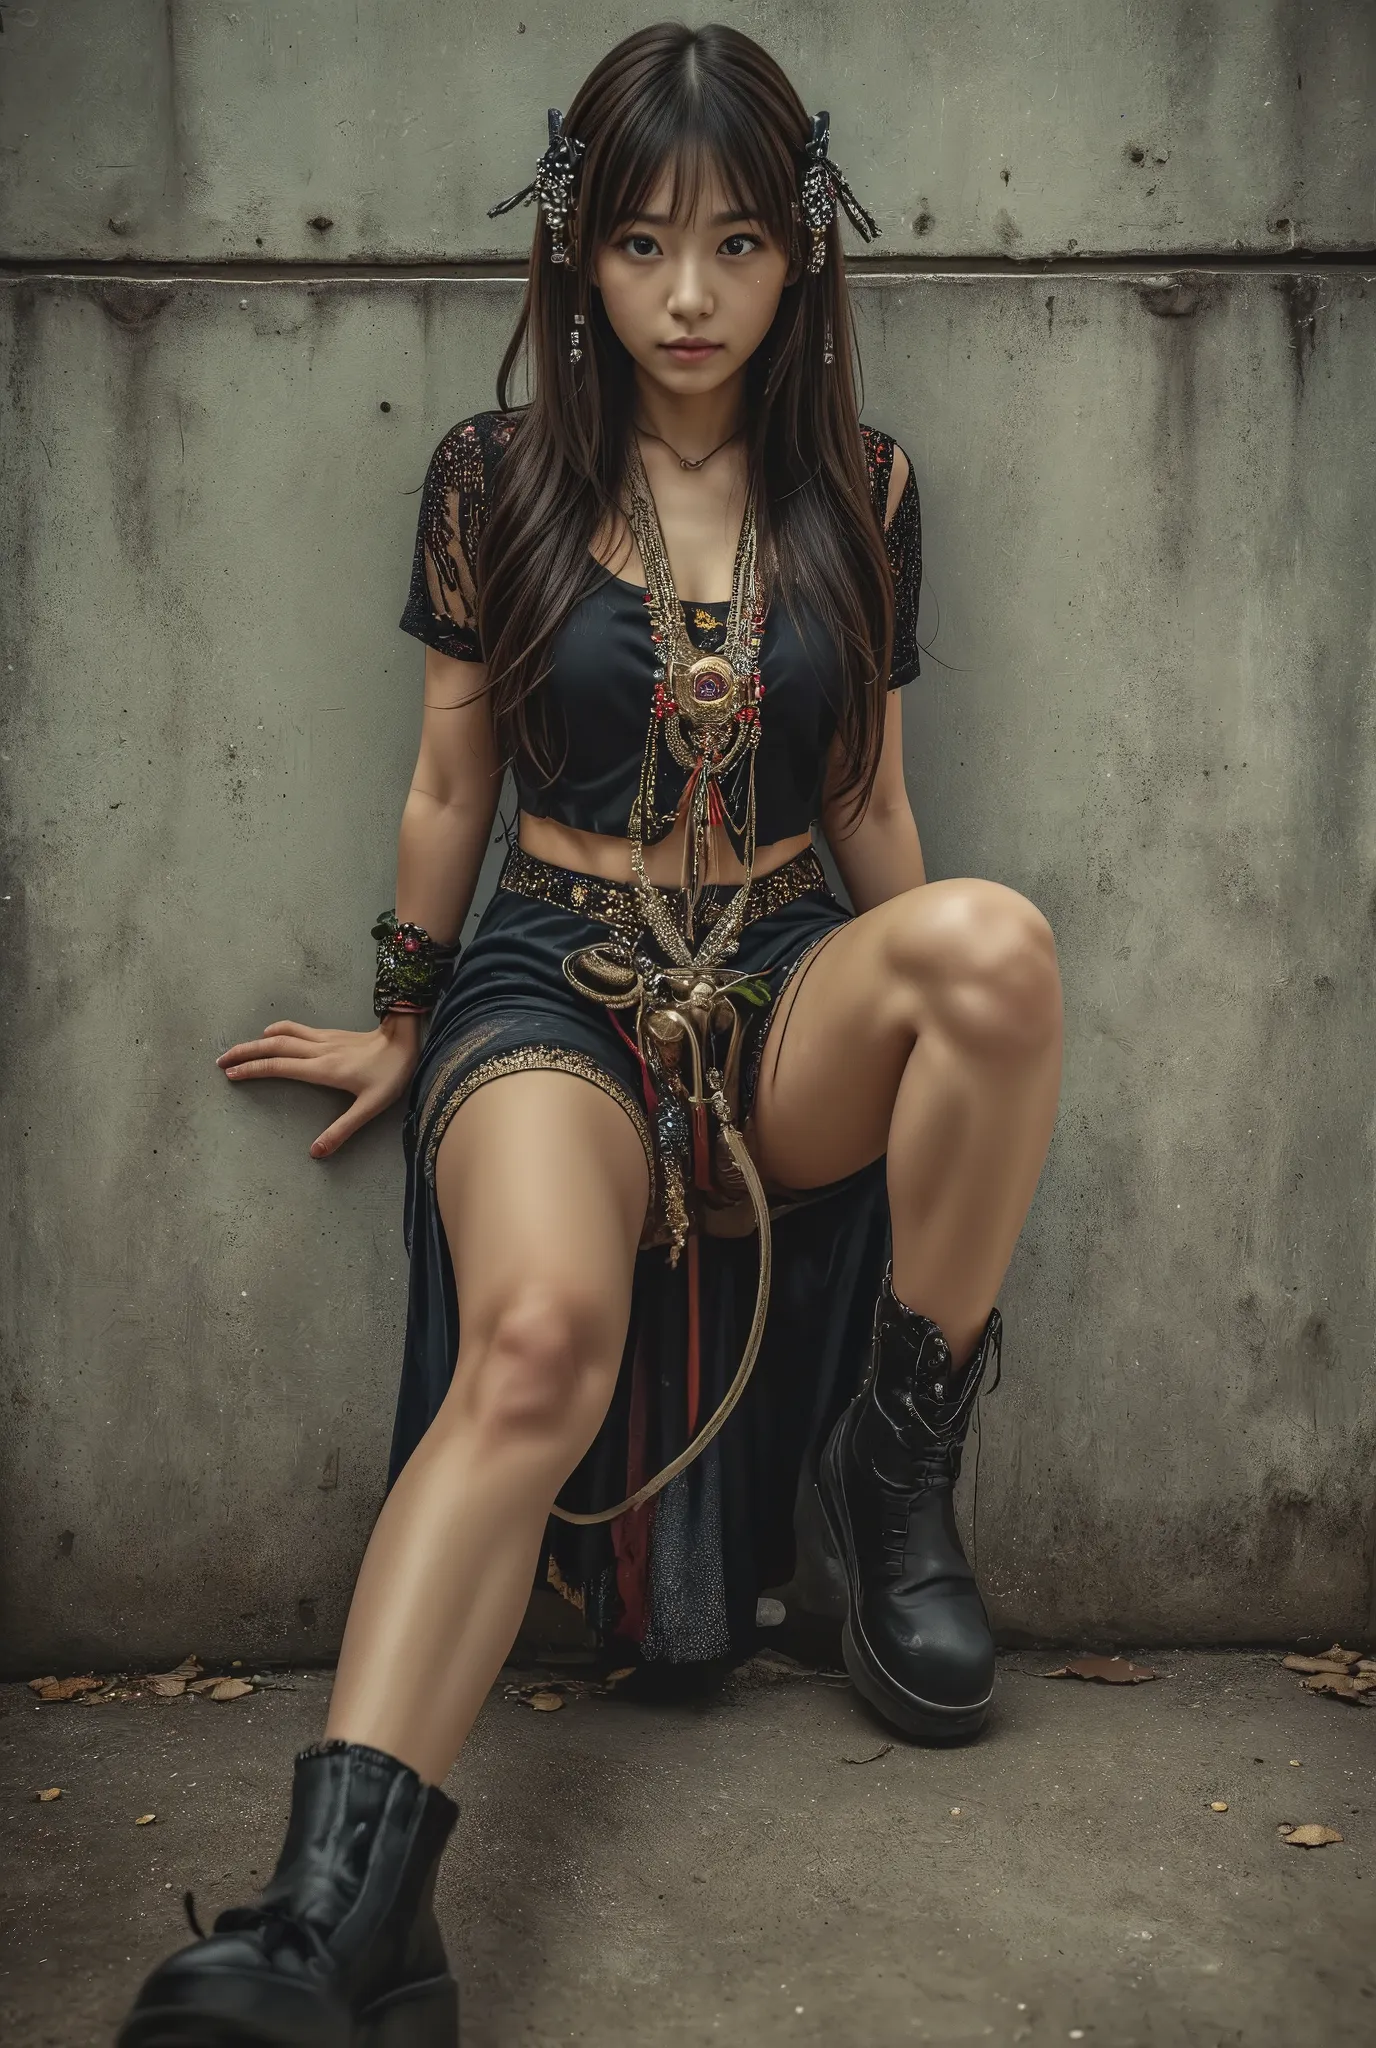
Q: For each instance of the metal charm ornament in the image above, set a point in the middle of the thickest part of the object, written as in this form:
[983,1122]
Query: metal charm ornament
[552,184]
[575,338]
[823,184]
[706,691]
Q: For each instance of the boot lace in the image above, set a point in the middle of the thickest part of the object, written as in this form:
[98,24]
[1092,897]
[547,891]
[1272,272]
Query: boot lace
[933,1457]
[276,1921]
[930,1464]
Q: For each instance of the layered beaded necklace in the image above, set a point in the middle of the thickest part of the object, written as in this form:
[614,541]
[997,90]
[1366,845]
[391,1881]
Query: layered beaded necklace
[705,711]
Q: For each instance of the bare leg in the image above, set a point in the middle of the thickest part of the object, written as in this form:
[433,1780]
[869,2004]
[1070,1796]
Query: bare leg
[930,1028]
[542,1187]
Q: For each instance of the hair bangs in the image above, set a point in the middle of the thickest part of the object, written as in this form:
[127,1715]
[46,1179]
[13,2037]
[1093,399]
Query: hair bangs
[695,137]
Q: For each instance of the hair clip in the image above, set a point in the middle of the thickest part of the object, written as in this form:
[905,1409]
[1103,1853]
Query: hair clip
[823,184]
[552,184]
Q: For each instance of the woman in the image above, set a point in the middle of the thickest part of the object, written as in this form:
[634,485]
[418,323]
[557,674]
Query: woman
[674,1104]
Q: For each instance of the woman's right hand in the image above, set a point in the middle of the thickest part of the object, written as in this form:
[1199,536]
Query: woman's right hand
[374,1067]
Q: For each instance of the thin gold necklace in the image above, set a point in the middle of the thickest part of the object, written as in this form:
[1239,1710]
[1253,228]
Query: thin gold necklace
[687,461]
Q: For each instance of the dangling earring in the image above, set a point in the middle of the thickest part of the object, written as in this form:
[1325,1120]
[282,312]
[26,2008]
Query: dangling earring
[575,352]
[828,352]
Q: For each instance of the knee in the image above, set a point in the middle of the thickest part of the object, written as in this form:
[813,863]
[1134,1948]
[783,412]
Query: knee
[980,961]
[541,1374]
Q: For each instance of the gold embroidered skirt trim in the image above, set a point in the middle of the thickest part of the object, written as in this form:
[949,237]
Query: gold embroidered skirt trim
[616,903]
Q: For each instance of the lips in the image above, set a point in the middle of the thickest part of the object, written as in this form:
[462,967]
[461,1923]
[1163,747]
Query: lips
[691,351]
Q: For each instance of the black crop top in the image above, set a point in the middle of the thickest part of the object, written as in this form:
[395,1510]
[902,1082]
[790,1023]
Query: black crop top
[598,689]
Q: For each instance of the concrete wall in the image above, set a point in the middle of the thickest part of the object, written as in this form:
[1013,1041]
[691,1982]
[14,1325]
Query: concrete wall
[1148,500]
[300,129]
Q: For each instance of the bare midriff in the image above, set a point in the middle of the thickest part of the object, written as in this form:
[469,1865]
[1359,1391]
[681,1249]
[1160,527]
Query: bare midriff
[599,853]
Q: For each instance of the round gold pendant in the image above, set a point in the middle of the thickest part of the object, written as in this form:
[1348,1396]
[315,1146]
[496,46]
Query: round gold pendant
[707,689]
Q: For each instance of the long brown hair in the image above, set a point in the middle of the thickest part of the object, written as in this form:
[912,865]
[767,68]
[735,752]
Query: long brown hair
[691,100]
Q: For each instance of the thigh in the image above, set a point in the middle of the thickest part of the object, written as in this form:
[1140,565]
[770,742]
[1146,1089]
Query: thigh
[945,960]
[542,1186]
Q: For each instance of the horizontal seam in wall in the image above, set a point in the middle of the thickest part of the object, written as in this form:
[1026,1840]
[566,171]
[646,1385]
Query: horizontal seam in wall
[859,269]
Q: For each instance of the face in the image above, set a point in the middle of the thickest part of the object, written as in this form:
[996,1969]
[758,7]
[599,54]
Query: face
[714,280]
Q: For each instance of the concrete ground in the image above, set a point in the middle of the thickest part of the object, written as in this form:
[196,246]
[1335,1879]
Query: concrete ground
[748,1868]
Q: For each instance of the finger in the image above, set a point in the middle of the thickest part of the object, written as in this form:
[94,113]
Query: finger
[360,1112]
[286,1024]
[261,1048]
[297,1067]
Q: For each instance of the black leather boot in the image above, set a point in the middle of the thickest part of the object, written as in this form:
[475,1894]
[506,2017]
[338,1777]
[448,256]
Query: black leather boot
[916,1639]
[343,1949]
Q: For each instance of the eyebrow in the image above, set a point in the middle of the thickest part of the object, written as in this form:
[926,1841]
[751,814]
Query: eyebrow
[718,220]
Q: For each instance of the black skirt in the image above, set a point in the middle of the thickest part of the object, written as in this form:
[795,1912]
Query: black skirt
[677,1579]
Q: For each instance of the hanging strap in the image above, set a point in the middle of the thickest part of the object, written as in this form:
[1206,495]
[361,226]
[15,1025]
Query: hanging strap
[745,1165]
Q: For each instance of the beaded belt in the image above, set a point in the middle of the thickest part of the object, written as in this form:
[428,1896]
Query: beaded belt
[616,903]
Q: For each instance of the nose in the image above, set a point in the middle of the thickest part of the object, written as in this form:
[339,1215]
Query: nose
[690,294]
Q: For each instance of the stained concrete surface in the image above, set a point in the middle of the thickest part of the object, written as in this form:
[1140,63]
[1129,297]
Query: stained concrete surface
[750,1867]
[309,131]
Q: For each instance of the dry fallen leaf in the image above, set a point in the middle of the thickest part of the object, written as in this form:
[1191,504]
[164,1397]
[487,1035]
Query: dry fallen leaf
[229,1689]
[64,1688]
[164,1686]
[53,1792]
[1218,1806]
[205,1684]
[1312,1836]
[545,1702]
[144,1819]
[1339,1685]
[1105,1670]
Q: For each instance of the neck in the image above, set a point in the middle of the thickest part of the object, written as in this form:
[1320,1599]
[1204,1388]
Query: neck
[689,421]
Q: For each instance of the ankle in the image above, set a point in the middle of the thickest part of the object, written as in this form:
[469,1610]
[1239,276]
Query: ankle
[960,1333]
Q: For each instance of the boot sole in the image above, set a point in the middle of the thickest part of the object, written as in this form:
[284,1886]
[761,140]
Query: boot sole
[422,2015]
[928,1721]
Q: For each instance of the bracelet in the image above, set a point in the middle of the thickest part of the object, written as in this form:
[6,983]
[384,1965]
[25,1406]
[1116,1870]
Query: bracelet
[412,968]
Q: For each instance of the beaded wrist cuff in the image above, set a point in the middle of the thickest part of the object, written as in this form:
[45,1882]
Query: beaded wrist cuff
[412,968]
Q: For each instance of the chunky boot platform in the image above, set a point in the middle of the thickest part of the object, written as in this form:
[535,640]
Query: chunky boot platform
[916,1639]
[343,1949]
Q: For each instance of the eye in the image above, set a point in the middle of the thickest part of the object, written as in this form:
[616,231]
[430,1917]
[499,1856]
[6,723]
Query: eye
[627,240]
[756,240]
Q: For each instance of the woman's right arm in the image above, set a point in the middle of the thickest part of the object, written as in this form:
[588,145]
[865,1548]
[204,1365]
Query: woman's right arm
[445,826]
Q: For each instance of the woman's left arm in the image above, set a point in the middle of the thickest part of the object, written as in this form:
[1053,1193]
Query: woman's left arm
[881,855]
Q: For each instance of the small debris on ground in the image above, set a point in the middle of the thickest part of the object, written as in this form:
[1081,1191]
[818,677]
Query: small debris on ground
[1311,1836]
[1104,1671]
[90,1690]
[64,1688]
[53,1792]
[868,1759]
[1218,1806]
[144,1819]
[547,1694]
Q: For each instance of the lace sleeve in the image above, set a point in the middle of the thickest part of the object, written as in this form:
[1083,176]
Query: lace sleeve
[903,542]
[442,603]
